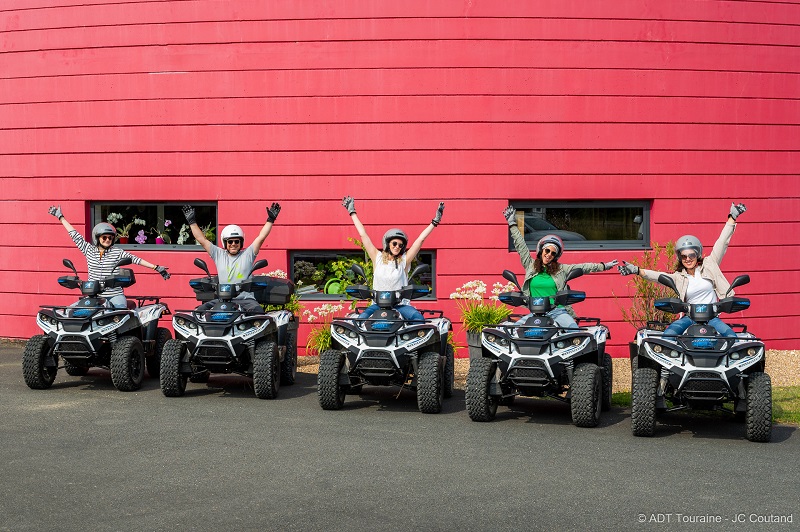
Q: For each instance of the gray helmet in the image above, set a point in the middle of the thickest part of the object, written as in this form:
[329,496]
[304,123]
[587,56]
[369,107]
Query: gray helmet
[688,242]
[391,234]
[552,240]
[103,228]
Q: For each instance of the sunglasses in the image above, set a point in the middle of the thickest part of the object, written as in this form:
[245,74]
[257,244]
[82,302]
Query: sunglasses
[689,256]
[236,241]
[104,237]
[548,251]
[396,244]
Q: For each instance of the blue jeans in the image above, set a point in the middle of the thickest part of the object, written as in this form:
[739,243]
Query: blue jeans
[408,312]
[679,327]
[561,318]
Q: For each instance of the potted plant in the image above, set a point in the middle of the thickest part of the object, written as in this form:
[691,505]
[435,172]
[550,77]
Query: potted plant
[162,235]
[478,312]
[319,337]
[123,230]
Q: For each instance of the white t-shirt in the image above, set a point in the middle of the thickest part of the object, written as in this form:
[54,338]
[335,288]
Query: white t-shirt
[700,290]
[389,276]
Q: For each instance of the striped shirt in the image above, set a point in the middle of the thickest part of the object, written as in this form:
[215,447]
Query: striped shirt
[101,267]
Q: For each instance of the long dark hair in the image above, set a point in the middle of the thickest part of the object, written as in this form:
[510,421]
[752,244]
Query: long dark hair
[551,268]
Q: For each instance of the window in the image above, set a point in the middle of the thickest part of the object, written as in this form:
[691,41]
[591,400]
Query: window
[326,274]
[147,225]
[586,225]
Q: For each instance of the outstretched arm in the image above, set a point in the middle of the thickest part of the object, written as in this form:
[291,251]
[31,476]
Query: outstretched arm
[413,251]
[55,210]
[350,204]
[197,233]
[272,215]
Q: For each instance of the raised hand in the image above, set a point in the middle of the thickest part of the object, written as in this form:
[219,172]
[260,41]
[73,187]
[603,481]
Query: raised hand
[510,214]
[736,210]
[350,204]
[438,217]
[628,269]
[273,211]
[55,210]
[188,212]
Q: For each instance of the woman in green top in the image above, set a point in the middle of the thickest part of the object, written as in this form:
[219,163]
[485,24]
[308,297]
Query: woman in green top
[544,276]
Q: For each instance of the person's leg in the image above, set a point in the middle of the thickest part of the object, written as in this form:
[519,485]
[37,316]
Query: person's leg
[562,318]
[250,306]
[722,328]
[117,302]
[678,327]
[409,313]
[369,311]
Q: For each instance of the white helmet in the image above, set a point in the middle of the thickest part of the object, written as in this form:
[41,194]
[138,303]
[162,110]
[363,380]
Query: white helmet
[103,228]
[688,242]
[550,240]
[391,234]
[232,231]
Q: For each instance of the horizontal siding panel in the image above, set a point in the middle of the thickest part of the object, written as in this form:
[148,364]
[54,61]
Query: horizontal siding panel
[448,111]
[383,136]
[451,80]
[402,54]
[32,14]
[392,29]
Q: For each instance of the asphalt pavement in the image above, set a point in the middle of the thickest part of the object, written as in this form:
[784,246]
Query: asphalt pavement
[84,456]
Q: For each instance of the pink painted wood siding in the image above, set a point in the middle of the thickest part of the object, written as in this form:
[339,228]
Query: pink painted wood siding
[686,104]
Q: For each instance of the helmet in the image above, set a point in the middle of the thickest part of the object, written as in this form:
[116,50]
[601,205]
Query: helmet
[688,242]
[391,234]
[103,228]
[232,231]
[550,239]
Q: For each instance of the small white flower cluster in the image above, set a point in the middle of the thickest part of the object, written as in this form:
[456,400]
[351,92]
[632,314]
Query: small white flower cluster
[183,234]
[277,273]
[322,312]
[499,288]
[470,290]
[113,217]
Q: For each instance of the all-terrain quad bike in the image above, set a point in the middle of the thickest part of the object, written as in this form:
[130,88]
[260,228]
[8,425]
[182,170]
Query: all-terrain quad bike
[228,339]
[532,356]
[92,334]
[700,369]
[387,350]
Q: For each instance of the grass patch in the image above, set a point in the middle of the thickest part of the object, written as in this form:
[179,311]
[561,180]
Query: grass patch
[785,403]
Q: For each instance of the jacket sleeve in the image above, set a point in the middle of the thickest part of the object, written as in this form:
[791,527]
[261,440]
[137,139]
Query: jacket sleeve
[721,245]
[522,248]
[588,267]
[80,242]
[652,275]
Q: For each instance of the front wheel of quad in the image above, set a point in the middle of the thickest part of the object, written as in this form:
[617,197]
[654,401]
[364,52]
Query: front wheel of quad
[608,379]
[39,368]
[759,407]
[266,369]
[330,392]
[153,362]
[481,406]
[449,377]
[430,389]
[127,364]
[643,402]
[75,371]
[173,384]
[289,364]
[587,395]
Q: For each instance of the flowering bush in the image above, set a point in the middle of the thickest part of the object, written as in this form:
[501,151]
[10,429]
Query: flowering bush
[476,312]
[319,338]
[124,230]
[164,232]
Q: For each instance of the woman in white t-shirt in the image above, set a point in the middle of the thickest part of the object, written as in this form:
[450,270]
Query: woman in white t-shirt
[392,263]
[697,278]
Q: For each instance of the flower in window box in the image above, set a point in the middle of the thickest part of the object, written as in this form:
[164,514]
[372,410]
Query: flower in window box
[123,230]
[162,235]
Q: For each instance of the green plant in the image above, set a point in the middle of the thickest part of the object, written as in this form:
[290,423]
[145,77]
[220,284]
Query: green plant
[477,312]
[643,293]
[125,229]
[209,231]
[319,338]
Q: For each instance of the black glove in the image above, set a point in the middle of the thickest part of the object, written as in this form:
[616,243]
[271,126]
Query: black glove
[438,217]
[55,210]
[188,212]
[350,204]
[510,214]
[628,269]
[273,211]
[736,210]
[163,271]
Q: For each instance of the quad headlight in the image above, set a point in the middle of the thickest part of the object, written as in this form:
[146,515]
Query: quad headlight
[499,340]
[411,335]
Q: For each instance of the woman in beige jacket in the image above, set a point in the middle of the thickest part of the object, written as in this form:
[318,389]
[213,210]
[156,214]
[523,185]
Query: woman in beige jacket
[697,278]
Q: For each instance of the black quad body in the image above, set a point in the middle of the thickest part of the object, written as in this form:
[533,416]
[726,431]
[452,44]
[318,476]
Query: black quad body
[227,339]
[387,350]
[92,334]
[700,369]
[535,357]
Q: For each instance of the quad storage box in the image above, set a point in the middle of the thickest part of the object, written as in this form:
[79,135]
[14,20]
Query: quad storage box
[271,290]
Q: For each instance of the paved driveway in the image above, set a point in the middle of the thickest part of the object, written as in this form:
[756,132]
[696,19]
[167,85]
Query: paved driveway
[83,456]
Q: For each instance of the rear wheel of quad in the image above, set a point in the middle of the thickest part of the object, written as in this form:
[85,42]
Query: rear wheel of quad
[608,380]
[759,407]
[643,402]
[127,364]
[266,369]
[430,389]
[153,362]
[329,391]
[173,384]
[75,371]
[289,364]
[587,395]
[38,366]
[449,371]
[481,406]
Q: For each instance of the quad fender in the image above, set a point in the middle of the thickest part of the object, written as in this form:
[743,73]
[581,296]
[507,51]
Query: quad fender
[494,384]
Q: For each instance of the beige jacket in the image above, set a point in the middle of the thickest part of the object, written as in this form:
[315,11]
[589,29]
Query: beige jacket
[709,270]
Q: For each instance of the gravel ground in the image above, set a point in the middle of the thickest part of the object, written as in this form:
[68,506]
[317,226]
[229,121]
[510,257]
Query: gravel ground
[782,366]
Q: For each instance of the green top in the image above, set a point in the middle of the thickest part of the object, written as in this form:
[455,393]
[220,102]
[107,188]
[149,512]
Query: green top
[542,285]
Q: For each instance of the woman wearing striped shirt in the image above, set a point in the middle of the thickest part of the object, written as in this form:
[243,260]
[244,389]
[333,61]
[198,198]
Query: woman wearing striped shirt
[102,257]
